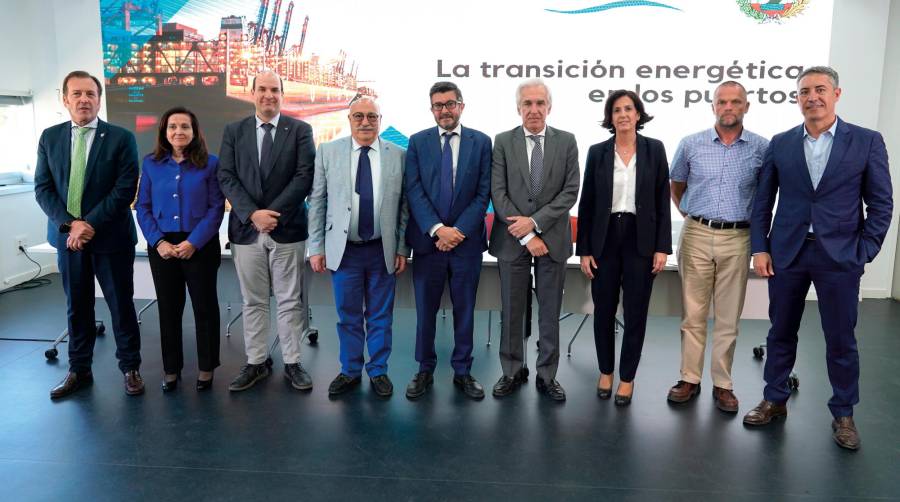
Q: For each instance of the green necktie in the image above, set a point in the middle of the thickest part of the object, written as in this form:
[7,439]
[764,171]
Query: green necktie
[76,175]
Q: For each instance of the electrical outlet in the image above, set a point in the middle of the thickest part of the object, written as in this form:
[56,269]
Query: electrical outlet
[21,242]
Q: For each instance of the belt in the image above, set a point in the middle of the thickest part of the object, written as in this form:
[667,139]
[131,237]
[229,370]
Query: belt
[810,236]
[720,225]
[363,243]
[621,214]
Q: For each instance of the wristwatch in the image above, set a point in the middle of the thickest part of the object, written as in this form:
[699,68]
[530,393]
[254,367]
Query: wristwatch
[65,228]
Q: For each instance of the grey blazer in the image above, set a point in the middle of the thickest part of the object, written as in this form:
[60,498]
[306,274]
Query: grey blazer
[329,202]
[511,192]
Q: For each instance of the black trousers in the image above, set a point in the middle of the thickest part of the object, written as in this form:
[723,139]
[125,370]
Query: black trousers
[199,274]
[115,273]
[620,266]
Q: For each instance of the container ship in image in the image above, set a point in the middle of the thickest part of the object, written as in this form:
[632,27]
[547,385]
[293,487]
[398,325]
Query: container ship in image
[151,65]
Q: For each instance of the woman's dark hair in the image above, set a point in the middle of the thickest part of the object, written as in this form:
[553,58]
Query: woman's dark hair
[643,118]
[195,152]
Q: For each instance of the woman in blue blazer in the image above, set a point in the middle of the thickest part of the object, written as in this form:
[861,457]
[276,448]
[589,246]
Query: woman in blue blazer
[179,209]
[624,234]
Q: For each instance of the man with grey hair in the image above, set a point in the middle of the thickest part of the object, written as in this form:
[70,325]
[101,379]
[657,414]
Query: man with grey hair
[357,229]
[713,177]
[534,184]
[822,172]
[266,171]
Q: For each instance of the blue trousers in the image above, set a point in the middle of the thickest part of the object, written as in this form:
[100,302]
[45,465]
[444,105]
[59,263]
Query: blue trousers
[364,296]
[115,273]
[430,273]
[837,288]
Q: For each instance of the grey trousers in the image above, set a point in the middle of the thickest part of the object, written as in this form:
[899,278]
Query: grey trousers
[515,286]
[263,267]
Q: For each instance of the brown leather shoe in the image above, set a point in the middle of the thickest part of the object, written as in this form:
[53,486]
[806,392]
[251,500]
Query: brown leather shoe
[764,413]
[845,433]
[71,383]
[725,400]
[683,392]
[134,384]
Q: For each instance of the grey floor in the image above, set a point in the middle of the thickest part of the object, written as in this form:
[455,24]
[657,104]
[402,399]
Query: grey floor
[274,443]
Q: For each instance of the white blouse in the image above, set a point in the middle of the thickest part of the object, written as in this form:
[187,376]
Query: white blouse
[623,185]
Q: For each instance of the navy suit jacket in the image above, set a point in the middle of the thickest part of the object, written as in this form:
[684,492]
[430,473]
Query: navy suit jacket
[651,198]
[284,191]
[471,190]
[857,172]
[110,185]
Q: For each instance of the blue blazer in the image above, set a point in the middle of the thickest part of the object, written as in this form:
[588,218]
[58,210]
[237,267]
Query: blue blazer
[198,209]
[471,190]
[110,184]
[857,172]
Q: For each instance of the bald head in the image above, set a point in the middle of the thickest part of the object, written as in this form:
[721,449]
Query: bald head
[267,94]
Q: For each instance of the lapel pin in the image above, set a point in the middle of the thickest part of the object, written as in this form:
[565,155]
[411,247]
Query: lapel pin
[102,134]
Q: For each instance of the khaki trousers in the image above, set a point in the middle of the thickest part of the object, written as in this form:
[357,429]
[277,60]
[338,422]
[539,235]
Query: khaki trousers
[713,265]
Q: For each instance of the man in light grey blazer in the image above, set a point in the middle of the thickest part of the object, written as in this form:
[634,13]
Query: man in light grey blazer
[357,224]
[534,183]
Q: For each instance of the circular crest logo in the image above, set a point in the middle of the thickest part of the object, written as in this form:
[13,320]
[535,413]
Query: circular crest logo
[773,10]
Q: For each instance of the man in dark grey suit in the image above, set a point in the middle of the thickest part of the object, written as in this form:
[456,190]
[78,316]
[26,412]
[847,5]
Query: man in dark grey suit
[266,172]
[534,183]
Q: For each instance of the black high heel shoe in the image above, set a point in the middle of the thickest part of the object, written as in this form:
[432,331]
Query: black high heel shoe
[604,393]
[169,386]
[622,400]
[204,384]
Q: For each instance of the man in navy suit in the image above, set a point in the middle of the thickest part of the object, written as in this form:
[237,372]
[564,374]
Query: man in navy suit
[823,171]
[448,183]
[85,180]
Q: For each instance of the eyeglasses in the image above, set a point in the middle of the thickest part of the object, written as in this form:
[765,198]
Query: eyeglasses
[451,105]
[358,117]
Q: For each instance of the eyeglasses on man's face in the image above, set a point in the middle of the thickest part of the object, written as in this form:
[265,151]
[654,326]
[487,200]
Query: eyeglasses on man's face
[450,105]
[358,117]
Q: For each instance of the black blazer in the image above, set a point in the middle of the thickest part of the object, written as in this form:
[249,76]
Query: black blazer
[285,189]
[654,222]
[110,185]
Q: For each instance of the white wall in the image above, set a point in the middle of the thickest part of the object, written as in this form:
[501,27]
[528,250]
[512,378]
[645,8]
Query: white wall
[42,42]
[889,122]
[859,39]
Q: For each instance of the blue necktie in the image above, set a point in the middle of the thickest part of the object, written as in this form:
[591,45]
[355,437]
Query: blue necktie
[265,154]
[366,226]
[446,179]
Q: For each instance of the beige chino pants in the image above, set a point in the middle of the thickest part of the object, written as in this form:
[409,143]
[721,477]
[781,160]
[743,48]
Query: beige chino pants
[713,265]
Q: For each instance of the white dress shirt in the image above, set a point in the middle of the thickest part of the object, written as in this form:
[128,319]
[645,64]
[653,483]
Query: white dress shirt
[623,194]
[454,148]
[529,147]
[88,136]
[375,162]
[260,132]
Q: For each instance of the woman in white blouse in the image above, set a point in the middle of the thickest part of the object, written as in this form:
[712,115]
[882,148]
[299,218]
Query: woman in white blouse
[624,234]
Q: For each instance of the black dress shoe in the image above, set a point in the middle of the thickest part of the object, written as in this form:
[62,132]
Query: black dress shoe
[297,376]
[342,383]
[170,385]
[204,384]
[552,389]
[469,386]
[419,385]
[71,383]
[382,385]
[506,385]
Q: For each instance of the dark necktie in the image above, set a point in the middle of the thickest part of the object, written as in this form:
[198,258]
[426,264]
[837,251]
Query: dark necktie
[366,225]
[446,179]
[537,165]
[265,157]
